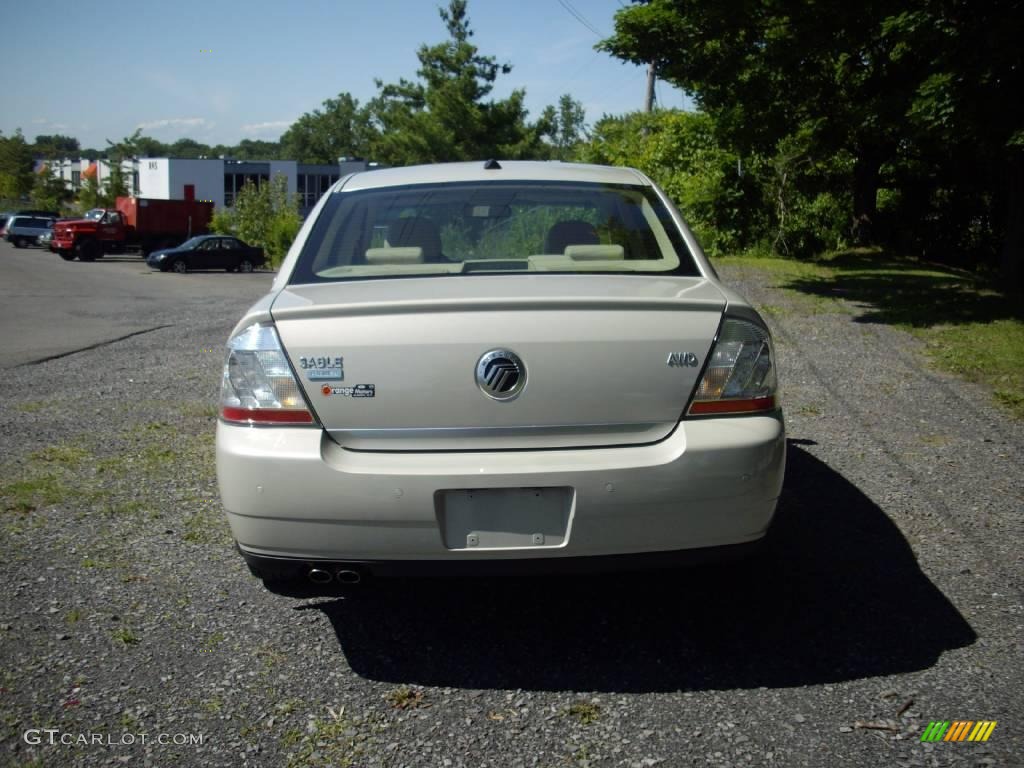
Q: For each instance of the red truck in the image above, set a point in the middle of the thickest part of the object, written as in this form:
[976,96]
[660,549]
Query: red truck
[134,223]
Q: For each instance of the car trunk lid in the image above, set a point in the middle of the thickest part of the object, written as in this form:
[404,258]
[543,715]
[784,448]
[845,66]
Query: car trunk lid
[392,364]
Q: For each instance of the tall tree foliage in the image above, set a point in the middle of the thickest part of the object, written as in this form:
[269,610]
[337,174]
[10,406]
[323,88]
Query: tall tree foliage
[16,163]
[446,114]
[896,87]
[55,146]
[265,215]
[340,128]
[48,191]
[565,125]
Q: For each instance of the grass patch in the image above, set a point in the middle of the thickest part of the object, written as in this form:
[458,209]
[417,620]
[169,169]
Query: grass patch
[405,698]
[207,526]
[70,456]
[199,410]
[126,636]
[968,327]
[214,705]
[155,458]
[95,562]
[288,706]
[34,492]
[586,712]
[335,742]
[32,406]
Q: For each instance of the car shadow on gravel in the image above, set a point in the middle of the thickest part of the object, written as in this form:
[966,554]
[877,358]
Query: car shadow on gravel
[836,594]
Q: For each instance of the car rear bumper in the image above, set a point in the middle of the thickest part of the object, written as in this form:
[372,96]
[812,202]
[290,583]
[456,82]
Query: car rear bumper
[294,494]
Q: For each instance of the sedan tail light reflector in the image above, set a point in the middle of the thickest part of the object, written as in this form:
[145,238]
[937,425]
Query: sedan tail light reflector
[259,386]
[740,376]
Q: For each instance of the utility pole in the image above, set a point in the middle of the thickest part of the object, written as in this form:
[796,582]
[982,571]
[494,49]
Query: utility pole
[649,97]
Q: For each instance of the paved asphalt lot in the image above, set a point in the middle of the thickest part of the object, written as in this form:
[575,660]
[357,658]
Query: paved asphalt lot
[888,595]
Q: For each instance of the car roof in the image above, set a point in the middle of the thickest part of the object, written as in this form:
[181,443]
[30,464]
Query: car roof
[507,170]
[19,216]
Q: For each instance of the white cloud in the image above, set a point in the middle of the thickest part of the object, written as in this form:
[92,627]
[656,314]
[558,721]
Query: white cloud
[42,121]
[175,122]
[272,128]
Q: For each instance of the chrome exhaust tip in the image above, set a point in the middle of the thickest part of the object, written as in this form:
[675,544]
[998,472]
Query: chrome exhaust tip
[319,577]
[346,576]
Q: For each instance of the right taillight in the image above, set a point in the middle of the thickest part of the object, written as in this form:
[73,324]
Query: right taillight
[258,386]
[740,376]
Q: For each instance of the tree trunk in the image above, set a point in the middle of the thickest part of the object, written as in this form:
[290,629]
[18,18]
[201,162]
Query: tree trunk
[1011,259]
[865,195]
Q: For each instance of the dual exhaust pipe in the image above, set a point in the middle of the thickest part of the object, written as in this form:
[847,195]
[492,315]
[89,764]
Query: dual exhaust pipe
[343,576]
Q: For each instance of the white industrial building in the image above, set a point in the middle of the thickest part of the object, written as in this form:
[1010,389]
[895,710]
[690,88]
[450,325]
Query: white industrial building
[217,180]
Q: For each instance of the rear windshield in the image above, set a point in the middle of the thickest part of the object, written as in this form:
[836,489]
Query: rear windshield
[488,227]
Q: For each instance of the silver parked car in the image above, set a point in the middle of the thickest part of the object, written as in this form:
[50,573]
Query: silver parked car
[496,365]
[26,230]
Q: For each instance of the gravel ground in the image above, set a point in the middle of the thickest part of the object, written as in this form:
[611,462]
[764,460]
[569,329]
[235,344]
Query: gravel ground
[888,595]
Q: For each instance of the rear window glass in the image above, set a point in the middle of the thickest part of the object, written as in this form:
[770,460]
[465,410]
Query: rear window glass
[488,227]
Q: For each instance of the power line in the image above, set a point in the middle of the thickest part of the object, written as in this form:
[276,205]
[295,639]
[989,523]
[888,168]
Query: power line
[579,17]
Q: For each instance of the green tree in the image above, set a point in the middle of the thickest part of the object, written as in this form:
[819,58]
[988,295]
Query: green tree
[446,115]
[189,149]
[918,98]
[56,146]
[285,220]
[16,164]
[681,151]
[252,149]
[127,149]
[147,146]
[767,70]
[265,215]
[340,128]
[48,191]
[223,221]
[252,210]
[565,125]
[90,195]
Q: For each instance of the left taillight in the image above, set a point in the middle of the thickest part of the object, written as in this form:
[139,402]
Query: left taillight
[259,386]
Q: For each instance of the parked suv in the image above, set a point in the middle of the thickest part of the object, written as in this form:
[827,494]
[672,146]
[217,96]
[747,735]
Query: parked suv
[25,230]
[5,217]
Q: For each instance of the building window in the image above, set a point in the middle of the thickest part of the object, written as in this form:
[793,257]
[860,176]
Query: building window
[76,179]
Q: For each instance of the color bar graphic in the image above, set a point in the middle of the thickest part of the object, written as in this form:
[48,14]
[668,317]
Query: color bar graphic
[982,730]
[935,730]
[958,730]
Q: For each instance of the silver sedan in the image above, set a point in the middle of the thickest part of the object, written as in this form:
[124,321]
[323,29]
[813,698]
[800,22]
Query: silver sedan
[479,366]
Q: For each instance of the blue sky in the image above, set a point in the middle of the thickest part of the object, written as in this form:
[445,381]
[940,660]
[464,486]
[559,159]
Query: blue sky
[220,72]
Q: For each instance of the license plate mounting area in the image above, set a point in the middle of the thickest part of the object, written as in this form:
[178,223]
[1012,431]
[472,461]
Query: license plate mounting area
[504,518]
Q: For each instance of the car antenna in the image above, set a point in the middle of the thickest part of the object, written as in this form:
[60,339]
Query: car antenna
[492,165]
